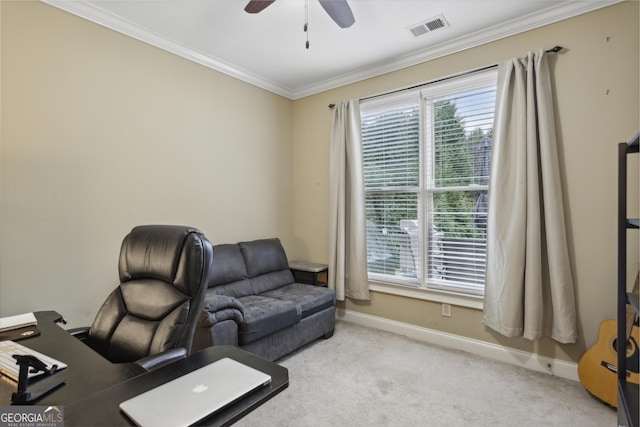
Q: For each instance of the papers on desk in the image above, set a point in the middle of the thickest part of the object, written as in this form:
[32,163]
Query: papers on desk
[16,322]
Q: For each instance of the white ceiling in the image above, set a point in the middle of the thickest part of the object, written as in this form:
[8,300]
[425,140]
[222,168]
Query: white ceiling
[268,49]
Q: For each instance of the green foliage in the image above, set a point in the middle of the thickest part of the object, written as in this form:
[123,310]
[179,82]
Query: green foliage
[391,142]
[457,161]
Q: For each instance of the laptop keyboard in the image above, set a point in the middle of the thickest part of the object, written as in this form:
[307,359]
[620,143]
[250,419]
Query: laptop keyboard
[10,368]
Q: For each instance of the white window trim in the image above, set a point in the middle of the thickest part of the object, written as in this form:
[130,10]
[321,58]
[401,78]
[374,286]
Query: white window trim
[411,289]
[441,296]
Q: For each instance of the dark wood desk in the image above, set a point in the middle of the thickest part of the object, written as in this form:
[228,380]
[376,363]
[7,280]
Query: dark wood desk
[95,387]
[86,373]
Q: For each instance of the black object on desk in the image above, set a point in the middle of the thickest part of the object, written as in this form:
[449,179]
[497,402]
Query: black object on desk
[20,333]
[41,387]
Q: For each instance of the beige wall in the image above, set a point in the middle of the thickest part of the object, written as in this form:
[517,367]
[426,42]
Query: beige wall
[100,133]
[596,91]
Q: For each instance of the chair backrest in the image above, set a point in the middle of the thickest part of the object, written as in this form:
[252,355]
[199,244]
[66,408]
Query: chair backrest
[164,271]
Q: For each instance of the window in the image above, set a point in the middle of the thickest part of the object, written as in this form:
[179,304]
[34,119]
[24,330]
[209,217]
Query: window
[426,175]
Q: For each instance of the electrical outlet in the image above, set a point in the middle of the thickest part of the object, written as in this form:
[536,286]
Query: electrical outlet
[446,310]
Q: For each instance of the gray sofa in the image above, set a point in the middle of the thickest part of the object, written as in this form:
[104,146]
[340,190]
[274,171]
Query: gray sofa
[253,302]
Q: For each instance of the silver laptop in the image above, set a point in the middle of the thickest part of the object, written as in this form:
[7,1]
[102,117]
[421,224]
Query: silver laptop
[194,396]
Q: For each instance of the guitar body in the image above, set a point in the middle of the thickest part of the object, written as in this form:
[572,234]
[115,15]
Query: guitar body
[597,368]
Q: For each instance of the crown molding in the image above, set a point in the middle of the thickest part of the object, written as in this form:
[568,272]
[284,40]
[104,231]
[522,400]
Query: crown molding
[97,15]
[507,29]
[104,18]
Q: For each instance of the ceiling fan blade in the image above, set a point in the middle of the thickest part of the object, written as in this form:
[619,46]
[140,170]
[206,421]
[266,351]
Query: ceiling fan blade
[339,11]
[255,6]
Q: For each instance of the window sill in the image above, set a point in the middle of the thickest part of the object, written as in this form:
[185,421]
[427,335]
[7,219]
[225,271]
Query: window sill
[471,301]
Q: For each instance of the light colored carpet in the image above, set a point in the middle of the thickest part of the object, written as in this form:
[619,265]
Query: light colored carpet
[367,377]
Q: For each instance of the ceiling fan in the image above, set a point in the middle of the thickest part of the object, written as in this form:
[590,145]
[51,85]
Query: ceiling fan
[338,10]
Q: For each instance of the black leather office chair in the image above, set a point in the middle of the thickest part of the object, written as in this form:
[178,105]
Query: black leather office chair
[151,317]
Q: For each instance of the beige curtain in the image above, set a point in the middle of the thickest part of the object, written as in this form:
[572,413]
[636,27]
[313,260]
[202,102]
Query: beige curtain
[347,232]
[528,268]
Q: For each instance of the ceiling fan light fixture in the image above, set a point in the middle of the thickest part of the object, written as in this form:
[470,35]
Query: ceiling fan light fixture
[339,10]
[256,6]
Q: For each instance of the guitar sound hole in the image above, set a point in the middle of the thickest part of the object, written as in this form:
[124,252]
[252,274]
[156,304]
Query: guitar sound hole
[630,349]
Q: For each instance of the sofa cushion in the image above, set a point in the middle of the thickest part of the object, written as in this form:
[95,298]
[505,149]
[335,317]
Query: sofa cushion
[264,256]
[237,289]
[267,264]
[270,281]
[311,299]
[228,272]
[229,265]
[264,316]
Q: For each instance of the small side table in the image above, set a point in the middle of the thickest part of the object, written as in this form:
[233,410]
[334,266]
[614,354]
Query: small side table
[309,272]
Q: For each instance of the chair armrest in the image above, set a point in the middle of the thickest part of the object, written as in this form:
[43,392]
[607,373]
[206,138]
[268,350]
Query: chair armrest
[147,363]
[158,360]
[81,333]
[218,308]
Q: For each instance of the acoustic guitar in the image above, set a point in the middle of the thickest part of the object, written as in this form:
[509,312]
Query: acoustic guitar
[598,367]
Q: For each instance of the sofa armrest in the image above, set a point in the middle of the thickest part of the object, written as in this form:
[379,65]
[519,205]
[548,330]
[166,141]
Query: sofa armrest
[218,308]
[155,361]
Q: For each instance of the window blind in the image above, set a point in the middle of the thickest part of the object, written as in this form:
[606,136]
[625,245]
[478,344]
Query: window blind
[391,153]
[460,148]
[426,174]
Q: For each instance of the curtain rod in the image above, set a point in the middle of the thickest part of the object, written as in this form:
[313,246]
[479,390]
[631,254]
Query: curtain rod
[554,49]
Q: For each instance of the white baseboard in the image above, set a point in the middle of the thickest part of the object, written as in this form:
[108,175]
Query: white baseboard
[535,362]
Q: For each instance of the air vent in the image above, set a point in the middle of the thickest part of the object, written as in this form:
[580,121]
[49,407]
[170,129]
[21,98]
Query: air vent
[419,30]
[435,24]
[427,26]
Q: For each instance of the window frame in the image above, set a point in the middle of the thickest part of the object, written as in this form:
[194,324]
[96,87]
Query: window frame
[419,288]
